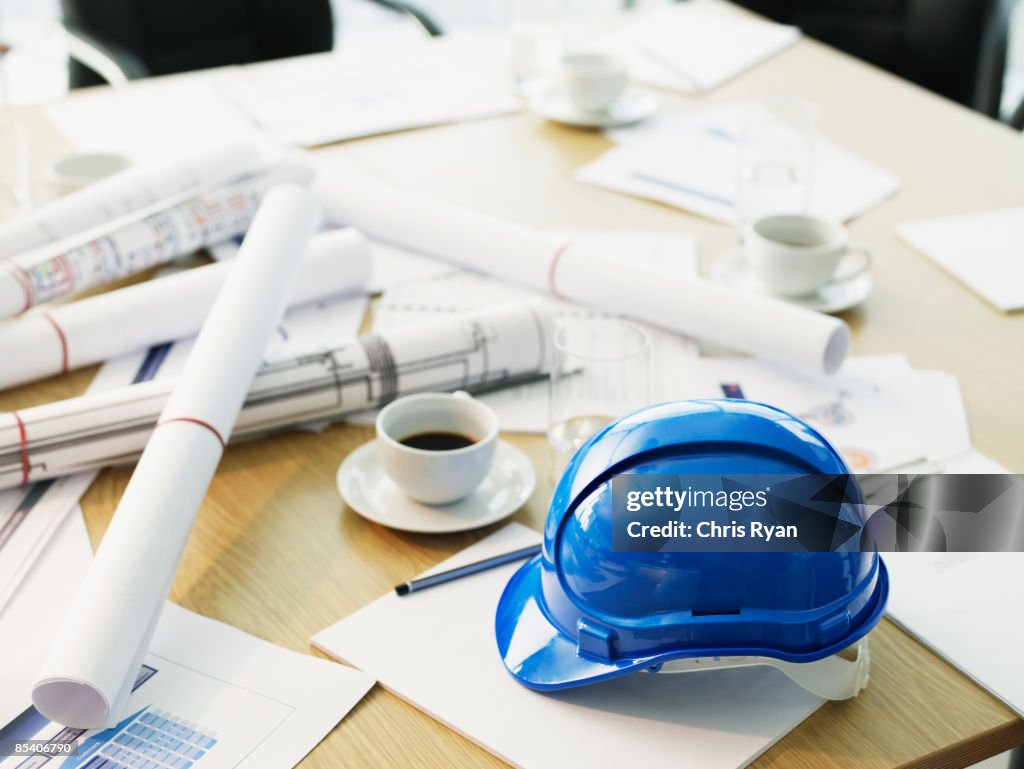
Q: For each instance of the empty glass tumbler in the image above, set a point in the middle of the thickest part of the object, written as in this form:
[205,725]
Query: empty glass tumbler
[601,372]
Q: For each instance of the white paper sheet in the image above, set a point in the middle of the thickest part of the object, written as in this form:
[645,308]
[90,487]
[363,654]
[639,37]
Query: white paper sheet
[932,403]
[983,250]
[691,161]
[101,327]
[436,649]
[574,271]
[210,696]
[87,678]
[493,348]
[964,606]
[313,100]
[149,118]
[697,47]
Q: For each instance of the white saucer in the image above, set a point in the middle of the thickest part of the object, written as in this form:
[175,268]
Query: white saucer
[730,269]
[368,490]
[634,105]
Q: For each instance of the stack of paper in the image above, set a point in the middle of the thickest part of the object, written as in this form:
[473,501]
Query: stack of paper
[696,47]
[691,161]
[983,250]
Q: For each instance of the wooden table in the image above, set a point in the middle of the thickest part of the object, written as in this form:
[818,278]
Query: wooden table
[276,553]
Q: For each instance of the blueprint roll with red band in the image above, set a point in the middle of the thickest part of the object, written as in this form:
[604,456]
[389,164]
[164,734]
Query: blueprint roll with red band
[545,262]
[102,327]
[126,192]
[143,239]
[87,677]
[497,347]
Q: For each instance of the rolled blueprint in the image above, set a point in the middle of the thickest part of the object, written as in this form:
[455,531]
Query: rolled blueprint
[88,675]
[548,262]
[125,193]
[495,347]
[138,317]
[135,243]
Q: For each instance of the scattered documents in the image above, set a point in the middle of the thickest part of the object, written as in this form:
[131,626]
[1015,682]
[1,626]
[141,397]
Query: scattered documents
[436,649]
[857,415]
[313,100]
[983,250]
[210,695]
[691,161]
[696,47]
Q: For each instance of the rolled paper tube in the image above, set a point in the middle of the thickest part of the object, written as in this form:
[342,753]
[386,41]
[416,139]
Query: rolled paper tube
[136,243]
[88,675]
[92,330]
[499,346]
[125,193]
[547,262]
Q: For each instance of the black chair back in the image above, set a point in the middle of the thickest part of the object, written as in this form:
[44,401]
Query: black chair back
[160,37]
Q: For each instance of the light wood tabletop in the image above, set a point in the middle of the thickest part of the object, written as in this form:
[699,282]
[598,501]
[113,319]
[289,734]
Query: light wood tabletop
[276,553]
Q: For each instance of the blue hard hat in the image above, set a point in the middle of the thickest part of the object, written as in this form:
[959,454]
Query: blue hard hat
[580,612]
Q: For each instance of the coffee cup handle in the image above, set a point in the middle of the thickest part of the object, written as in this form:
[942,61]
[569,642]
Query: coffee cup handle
[857,271]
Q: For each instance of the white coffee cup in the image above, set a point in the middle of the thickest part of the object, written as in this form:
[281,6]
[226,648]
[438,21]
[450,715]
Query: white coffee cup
[429,476]
[593,81]
[77,170]
[794,254]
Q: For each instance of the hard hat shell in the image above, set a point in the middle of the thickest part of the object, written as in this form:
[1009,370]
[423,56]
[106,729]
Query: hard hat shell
[580,612]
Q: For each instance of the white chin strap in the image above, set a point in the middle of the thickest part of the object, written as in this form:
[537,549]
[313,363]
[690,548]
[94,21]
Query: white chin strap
[834,678]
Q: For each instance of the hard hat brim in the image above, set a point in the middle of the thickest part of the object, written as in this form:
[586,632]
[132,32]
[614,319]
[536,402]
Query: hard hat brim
[540,656]
[537,653]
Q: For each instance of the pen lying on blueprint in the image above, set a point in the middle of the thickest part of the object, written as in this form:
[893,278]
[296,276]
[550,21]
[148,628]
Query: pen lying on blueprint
[464,571]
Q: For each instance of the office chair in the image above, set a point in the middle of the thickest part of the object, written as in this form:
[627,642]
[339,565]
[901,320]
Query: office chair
[118,40]
[956,48]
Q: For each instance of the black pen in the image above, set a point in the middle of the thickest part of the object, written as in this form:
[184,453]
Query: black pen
[464,571]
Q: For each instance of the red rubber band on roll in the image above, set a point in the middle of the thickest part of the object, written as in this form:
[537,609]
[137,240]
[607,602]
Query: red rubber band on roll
[26,467]
[63,342]
[201,423]
[553,268]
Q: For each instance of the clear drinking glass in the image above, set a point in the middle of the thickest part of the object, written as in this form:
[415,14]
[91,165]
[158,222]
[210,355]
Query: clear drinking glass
[536,29]
[15,170]
[776,162]
[601,372]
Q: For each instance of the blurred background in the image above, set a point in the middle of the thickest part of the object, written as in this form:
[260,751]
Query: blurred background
[969,50]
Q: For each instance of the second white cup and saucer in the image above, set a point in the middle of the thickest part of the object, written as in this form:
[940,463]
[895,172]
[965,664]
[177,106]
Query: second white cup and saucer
[592,90]
[437,465]
[801,259]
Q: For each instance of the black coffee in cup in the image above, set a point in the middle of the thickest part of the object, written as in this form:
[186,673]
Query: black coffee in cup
[437,441]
